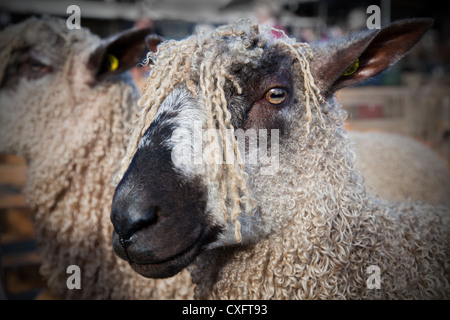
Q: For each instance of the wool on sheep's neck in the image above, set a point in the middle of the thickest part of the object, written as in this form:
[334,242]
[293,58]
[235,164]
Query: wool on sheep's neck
[201,63]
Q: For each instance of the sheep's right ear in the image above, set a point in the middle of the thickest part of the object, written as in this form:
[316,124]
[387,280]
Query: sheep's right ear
[338,64]
[118,53]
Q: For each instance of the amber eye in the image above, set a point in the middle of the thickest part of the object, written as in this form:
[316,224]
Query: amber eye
[35,68]
[276,95]
[35,65]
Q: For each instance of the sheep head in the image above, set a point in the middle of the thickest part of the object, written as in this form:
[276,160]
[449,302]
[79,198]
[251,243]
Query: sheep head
[188,182]
[51,76]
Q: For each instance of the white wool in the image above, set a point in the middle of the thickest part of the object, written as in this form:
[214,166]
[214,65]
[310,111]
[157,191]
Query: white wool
[399,168]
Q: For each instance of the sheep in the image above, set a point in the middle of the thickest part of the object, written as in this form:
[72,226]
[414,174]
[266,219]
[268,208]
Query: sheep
[295,224]
[67,107]
[396,167]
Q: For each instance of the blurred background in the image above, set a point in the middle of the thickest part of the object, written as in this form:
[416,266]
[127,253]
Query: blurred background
[412,98]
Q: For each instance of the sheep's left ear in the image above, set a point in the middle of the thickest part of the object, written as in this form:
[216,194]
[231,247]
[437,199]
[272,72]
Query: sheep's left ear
[358,57]
[152,41]
[118,53]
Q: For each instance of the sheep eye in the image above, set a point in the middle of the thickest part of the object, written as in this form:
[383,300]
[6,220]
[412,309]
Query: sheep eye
[35,65]
[34,68]
[276,95]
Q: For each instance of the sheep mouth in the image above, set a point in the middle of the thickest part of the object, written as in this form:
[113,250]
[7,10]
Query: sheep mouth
[170,266]
[143,257]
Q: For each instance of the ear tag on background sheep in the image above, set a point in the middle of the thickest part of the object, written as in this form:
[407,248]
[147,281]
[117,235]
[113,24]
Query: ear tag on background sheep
[113,62]
[352,69]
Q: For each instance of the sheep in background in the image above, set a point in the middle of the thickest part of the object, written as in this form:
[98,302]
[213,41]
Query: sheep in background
[304,228]
[397,168]
[67,108]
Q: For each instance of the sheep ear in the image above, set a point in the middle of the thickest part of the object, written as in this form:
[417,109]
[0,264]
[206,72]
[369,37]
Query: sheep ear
[118,53]
[152,41]
[361,56]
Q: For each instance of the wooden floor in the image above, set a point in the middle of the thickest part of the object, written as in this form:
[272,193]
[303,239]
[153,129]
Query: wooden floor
[20,261]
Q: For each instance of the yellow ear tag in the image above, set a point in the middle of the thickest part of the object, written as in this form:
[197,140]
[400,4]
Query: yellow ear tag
[113,62]
[352,69]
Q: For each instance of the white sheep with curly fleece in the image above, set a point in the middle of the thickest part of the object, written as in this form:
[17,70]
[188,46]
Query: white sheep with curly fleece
[67,107]
[306,230]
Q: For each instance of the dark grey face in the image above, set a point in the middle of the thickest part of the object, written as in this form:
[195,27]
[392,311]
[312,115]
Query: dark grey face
[163,211]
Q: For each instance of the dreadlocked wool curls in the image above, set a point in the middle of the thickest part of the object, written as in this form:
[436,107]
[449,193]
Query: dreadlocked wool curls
[201,63]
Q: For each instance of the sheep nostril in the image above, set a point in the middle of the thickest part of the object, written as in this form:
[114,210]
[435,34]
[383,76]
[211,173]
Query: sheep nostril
[124,242]
[153,215]
[126,229]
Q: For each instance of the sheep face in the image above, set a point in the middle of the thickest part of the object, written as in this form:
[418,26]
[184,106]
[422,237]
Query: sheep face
[32,65]
[168,178]
[50,78]
[172,201]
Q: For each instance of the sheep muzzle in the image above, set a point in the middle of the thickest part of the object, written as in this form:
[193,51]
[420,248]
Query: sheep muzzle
[159,216]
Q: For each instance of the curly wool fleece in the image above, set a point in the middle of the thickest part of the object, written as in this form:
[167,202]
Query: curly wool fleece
[328,232]
[73,136]
[325,231]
